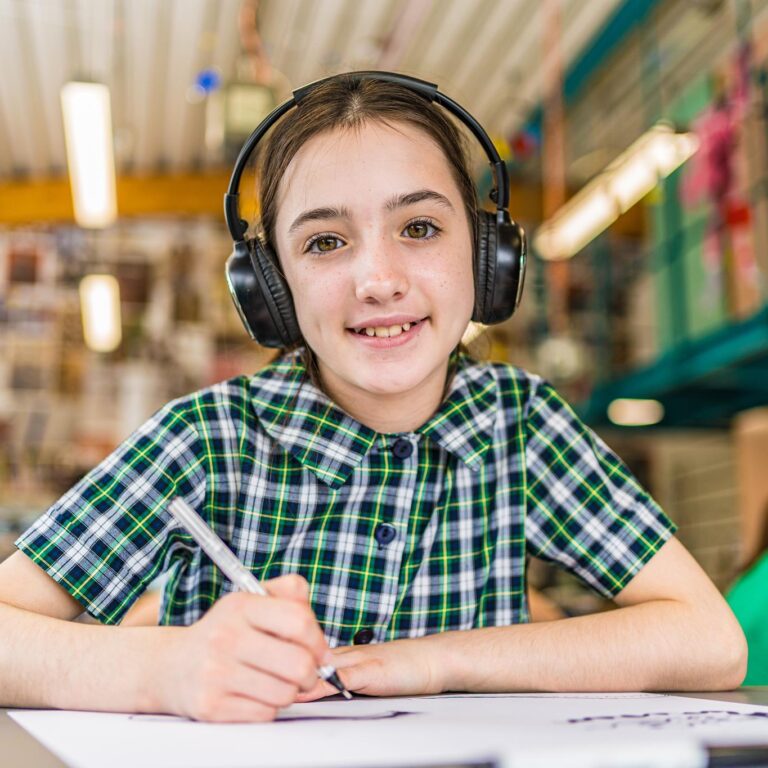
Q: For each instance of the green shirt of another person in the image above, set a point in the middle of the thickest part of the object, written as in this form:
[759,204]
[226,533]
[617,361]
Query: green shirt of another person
[748,598]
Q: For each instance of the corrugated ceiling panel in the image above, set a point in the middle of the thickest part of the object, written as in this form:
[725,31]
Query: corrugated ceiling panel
[51,66]
[516,65]
[319,33]
[338,57]
[487,53]
[574,37]
[224,40]
[285,38]
[372,25]
[184,41]
[141,77]
[500,31]
[463,34]
[404,32]
[95,28]
[25,141]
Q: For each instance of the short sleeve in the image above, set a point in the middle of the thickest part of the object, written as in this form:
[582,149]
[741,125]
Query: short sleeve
[109,536]
[585,510]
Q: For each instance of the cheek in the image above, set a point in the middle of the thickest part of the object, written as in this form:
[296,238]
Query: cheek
[458,281]
[316,292]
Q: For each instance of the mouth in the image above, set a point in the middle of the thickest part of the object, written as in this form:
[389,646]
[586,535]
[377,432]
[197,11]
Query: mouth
[387,331]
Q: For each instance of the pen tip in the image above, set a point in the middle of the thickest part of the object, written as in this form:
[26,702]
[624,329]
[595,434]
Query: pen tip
[347,695]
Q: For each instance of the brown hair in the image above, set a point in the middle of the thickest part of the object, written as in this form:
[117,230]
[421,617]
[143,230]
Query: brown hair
[347,102]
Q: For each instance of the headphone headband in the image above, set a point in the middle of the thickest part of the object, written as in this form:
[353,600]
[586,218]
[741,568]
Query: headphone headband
[499,195]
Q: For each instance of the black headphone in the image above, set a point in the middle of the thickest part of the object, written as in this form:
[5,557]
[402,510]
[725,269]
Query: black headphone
[262,296]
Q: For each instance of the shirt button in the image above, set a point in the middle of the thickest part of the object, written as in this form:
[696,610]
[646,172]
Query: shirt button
[363,636]
[385,533]
[402,448]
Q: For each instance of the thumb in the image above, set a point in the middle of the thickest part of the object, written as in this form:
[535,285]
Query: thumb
[289,587]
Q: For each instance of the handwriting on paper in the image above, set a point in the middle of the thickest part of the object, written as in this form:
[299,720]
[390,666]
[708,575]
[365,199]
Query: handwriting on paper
[656,721]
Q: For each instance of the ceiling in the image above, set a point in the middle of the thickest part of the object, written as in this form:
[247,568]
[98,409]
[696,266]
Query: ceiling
[488,54]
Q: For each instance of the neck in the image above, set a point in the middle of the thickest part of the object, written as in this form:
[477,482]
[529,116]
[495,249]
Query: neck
[389,412]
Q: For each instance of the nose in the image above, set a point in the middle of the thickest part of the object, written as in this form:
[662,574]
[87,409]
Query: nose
[381,274]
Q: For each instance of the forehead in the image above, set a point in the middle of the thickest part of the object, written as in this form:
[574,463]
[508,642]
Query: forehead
[372,158]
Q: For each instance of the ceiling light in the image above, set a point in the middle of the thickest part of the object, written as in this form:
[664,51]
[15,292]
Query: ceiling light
[570,233]
[635,413]
[90,154]
[100,308]
[623,183]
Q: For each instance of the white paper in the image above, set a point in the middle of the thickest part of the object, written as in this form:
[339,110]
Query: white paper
[516,731]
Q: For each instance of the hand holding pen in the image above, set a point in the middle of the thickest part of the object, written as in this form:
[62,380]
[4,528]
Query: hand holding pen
[273,647]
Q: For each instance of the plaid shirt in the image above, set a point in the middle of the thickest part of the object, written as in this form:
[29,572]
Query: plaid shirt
[398,534]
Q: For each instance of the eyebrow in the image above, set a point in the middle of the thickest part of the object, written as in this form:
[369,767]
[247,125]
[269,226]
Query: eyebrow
[315,214]
[399,201]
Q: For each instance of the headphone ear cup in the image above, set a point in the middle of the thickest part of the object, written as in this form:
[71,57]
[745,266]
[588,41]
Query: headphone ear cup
[261,295]
[485,253]
[280,324]
[500,259]
[243,286]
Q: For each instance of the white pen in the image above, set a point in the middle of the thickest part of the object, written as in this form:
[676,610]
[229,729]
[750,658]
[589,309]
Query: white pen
[233,569]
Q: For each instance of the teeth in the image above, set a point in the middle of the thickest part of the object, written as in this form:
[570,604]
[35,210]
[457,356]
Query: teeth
[386,331]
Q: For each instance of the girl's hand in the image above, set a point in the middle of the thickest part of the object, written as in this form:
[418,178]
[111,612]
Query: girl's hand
[398,668]
[247,657]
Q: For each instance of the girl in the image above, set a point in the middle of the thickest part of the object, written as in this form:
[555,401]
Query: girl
[389,485]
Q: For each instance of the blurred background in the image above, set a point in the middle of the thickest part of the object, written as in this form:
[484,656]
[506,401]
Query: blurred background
[635,136]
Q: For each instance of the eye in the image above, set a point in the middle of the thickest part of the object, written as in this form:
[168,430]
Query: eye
[323,243]
[421,229]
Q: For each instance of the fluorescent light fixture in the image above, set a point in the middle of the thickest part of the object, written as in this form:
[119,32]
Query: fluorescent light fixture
[100,307]
[635,413]
[90,155]
[629,178]
[594,213]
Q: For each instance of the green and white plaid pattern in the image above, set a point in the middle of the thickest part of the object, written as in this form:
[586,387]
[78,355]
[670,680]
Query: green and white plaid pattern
[295,485]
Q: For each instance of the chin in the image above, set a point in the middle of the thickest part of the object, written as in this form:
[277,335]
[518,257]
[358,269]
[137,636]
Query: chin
[393,382]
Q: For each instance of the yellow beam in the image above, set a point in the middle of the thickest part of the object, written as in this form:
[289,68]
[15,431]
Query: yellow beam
[49,200]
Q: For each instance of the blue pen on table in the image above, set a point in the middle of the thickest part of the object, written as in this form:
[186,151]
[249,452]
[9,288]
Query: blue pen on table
[234,570]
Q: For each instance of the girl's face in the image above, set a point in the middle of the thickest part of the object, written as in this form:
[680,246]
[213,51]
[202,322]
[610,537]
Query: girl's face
[375,244]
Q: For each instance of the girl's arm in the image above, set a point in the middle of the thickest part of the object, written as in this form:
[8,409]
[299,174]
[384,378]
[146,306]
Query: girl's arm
[672,631]
[145,612]
[244,659]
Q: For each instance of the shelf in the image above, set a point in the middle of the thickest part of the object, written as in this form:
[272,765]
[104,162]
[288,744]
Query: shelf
[701,383]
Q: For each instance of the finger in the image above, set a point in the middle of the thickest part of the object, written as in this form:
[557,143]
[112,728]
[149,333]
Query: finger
[291,662]
[260,686]
[357,676]
[320,690]
[288,620]
[291,587]
[239,709]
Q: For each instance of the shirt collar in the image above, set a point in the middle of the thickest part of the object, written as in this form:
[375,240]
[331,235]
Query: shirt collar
[330,443]
[465,421]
